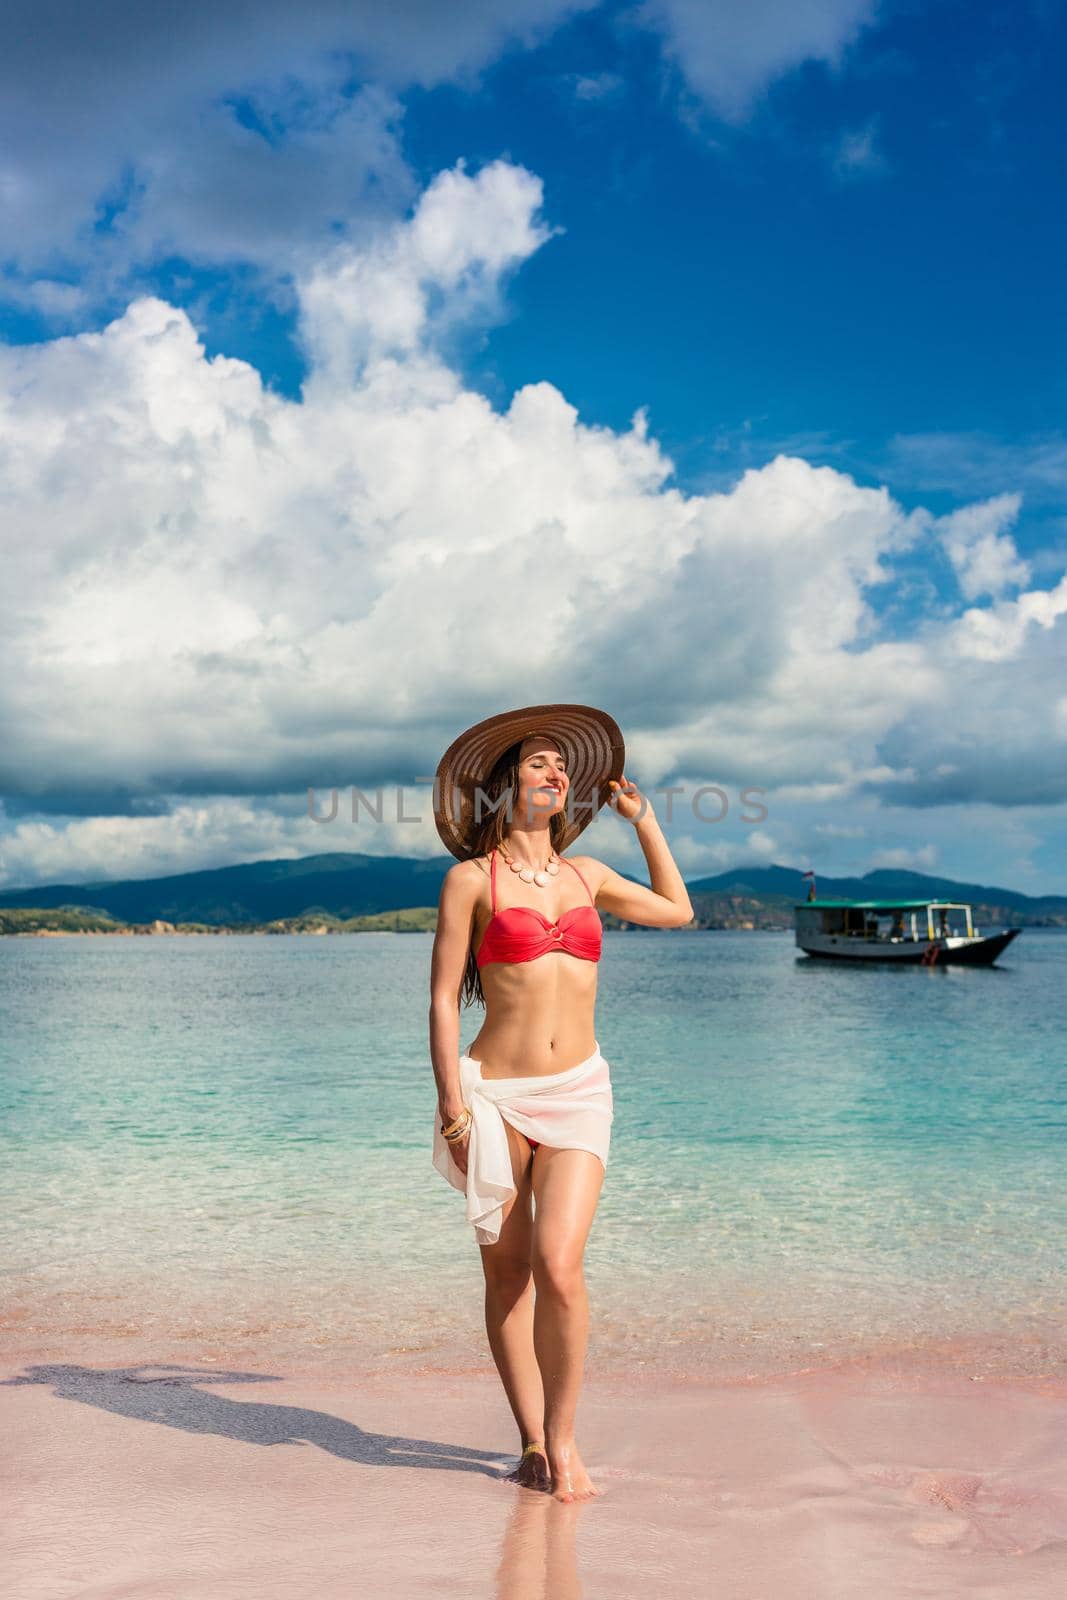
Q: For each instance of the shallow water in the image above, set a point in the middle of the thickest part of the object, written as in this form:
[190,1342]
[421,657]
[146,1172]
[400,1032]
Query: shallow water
[227,1142]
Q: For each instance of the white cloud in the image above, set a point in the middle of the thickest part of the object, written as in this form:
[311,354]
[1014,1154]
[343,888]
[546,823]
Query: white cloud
[213,592]
[922,859]
[466,233]
[222,133]
[1000,632]
[990,732]
[982,552]
[231,136]
[205,832]
[729,53]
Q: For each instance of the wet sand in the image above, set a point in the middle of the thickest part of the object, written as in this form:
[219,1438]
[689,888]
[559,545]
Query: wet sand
[201,1483]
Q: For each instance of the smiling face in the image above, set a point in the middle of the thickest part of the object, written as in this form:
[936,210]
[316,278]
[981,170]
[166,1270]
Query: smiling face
[543,780]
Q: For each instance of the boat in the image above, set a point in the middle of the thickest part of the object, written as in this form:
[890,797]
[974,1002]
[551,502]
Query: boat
[923,932]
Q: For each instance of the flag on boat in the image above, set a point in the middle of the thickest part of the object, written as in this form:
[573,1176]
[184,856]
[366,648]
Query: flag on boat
[811,885]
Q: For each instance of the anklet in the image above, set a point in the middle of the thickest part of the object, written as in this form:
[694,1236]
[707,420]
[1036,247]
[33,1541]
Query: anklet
[539,1447]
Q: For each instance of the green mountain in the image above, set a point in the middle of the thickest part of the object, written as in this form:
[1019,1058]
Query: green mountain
[345,885]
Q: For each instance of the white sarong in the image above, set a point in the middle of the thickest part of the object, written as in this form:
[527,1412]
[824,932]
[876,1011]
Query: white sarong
[570,1110]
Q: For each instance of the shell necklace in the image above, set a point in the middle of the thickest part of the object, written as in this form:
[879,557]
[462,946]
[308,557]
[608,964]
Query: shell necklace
[539,875]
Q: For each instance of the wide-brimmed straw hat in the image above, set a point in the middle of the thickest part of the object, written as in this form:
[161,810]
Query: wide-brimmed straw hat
[590,740]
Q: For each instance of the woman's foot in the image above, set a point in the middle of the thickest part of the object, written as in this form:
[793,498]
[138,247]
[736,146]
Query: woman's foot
[570,1481]
[532,1470]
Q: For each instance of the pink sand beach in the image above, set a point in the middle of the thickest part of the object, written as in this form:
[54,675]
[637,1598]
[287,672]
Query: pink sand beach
[896,1477]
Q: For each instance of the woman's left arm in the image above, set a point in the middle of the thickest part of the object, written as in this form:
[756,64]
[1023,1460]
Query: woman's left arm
[666,904]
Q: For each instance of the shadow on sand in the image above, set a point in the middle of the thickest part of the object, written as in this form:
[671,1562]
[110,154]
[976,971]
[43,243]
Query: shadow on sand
[169,1395]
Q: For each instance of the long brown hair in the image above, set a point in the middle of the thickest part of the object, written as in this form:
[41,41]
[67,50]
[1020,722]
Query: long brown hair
[488,834]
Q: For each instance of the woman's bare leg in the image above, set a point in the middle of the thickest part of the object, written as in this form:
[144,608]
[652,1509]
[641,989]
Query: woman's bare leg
[509,1315]
[566,1187]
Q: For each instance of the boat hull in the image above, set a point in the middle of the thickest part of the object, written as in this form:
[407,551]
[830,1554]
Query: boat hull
[980,952]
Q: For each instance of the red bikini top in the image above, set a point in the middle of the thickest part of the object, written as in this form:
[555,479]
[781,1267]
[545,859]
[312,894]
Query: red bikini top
[520,933]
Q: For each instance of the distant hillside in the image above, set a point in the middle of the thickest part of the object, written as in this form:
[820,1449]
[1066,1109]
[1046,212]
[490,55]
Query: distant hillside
[888,883]
[60,921]
[344,884]
[327,890]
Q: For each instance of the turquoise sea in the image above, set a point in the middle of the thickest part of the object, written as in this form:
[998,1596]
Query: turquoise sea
[221,1146]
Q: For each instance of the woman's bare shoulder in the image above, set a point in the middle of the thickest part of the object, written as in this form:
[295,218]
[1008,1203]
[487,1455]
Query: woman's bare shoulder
[469,874]
[589,867]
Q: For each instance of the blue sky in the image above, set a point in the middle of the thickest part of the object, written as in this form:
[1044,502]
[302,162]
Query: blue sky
[830,236]
[873,252]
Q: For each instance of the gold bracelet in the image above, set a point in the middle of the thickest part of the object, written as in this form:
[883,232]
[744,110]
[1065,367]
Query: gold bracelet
[457,1126]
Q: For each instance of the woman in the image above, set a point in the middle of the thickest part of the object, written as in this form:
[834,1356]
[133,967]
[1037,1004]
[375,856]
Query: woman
[525,1115]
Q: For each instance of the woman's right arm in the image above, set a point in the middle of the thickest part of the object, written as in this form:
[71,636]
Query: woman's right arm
[451,946]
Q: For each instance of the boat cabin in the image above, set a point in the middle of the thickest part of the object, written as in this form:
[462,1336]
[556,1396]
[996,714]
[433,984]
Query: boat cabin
[889,921]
